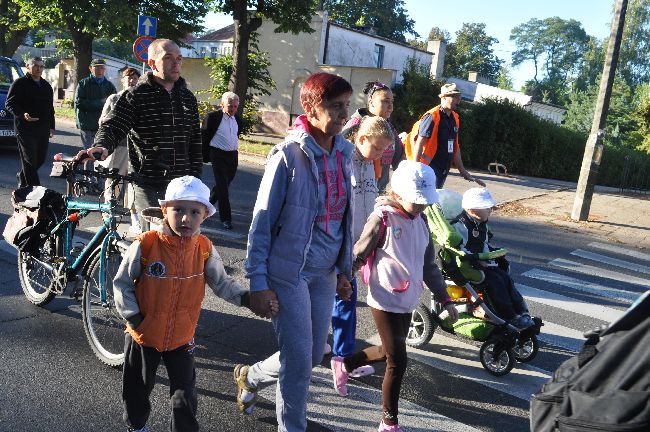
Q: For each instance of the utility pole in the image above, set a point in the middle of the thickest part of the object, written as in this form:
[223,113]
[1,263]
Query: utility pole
[594,146]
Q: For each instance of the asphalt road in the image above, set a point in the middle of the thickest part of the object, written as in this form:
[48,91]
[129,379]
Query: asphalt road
[52,382]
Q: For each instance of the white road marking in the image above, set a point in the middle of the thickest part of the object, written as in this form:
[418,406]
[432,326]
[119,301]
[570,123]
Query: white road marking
[596,271]
[582,285]
[611,261]
[223,233]
[569,304]
[620,250]
[361,409]
[560,336]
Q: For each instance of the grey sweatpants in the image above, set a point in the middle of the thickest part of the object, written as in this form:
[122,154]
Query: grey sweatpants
[301,327]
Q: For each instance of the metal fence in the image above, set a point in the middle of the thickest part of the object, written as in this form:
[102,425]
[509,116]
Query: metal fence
[636,176]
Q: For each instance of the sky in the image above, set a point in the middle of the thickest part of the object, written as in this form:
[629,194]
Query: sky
[499,16]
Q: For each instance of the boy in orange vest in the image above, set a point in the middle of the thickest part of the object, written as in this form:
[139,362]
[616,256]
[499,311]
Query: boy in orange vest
[159,288]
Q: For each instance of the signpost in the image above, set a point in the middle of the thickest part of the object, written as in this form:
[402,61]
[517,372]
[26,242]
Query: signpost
[147,25]
[140,49]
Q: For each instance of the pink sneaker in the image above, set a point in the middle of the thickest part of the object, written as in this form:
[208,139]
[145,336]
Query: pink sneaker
[383,427]
[340,376]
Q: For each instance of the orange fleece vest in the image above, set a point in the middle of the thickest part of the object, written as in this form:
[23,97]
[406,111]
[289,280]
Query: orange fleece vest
[170,289]
[431,144]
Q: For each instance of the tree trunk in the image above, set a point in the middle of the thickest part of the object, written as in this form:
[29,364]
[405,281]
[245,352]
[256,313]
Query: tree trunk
[82,44]
[239,78]
[10,40]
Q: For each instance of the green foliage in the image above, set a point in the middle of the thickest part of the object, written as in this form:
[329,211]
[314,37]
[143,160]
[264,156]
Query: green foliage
[623,121]
[14,27]
[634,60]
[472,51]
[556,48]
[642,114]
[417,94]
[439,34]
[504,78]
[388,17]
[260,81]
[499,130]
[121,50]
[290,16]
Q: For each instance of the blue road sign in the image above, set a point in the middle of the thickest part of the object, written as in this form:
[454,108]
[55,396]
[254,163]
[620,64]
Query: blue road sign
[147,25]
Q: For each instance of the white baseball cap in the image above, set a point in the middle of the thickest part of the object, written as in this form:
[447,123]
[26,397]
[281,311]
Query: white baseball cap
[478,198]
[415,182]
[188,188]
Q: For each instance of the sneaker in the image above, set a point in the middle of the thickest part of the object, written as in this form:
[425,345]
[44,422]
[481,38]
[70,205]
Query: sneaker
[227,225]
[522,322]
[340,376]
[328,349]
[246,395]
[362,371]
[383,427]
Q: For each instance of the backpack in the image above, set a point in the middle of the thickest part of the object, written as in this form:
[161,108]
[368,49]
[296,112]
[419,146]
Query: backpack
[36,210]
[606,387]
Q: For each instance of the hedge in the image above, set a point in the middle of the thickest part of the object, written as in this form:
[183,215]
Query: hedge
[504,132]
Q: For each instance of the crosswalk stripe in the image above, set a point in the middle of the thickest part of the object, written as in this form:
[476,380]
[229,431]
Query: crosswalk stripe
[595,271]
[361,409]
[568,304]
[620,250]
[560,336]
[611,261]
[451,355]
[581,285]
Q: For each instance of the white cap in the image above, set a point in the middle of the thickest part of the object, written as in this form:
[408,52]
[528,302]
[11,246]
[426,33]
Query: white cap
[188,188]
[414,182]
[478,198]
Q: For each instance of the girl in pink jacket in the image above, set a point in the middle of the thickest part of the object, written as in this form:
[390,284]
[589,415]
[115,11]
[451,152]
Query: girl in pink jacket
[398,255]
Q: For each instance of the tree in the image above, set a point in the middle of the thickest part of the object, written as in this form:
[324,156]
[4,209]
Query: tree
[13,27]
[556,47]
[417,94]
[294,16]
[86,20]
[472,52]
[504,78]
[437,33]
[634,60]
[387,17]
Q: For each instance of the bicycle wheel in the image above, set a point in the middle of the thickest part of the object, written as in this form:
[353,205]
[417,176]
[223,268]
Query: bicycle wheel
[36,272]
[102,323]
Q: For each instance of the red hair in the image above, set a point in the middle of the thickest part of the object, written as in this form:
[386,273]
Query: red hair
[323,86]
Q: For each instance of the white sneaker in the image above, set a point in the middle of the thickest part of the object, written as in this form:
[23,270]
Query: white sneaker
[362,371]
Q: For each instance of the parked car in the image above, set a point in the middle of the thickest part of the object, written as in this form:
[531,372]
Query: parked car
[9,72]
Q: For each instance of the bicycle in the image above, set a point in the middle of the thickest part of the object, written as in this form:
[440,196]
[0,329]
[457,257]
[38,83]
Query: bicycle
[47,272]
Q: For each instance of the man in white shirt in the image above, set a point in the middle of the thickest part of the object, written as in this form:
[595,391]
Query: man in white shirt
[220,131]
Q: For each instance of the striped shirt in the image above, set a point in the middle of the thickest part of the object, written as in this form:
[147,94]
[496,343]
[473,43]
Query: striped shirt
[162,130]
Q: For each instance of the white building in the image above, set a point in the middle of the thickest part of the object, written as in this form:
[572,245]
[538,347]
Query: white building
[214,44]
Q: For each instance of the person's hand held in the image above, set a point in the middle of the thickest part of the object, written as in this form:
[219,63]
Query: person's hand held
[343,288]
[453,313]
[262,303]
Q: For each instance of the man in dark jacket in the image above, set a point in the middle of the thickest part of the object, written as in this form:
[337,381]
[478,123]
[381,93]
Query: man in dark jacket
[30,100]
[160,119]
[219,133]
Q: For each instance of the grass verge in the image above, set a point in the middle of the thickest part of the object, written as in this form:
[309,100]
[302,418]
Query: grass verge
[257,148]
[65,112]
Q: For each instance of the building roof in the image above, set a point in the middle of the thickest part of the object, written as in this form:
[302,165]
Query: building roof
[223,34]
[376,36]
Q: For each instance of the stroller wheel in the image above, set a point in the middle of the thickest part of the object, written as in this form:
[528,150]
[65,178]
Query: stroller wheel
[496,358]
[421,328]
[526,350]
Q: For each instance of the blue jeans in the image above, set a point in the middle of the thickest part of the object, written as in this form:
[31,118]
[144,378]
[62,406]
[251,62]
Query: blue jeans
[301,327]
[344,324]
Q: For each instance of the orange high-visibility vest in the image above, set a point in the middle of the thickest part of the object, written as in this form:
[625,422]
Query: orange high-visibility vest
[431,144]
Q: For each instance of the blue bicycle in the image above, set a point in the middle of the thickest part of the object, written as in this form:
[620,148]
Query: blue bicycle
[48,269]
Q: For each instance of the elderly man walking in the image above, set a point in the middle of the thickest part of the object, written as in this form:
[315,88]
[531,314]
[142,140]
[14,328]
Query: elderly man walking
[160,119]
[219,133]
[30,100]
[434,138]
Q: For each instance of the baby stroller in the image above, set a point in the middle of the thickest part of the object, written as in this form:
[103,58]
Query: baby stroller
[503,344]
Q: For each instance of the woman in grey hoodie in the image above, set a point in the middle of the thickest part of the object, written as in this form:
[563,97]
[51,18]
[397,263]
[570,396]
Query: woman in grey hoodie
[300,238]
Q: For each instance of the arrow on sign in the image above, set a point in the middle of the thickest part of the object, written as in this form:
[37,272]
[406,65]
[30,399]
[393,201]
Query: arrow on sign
[147,25]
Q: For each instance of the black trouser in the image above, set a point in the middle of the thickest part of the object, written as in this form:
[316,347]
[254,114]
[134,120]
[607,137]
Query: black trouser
[224,167]
[505,298]
[392,329]
[139,377]
[32,146]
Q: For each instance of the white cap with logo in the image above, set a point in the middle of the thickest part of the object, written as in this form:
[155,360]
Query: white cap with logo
[415,182]
[188,188]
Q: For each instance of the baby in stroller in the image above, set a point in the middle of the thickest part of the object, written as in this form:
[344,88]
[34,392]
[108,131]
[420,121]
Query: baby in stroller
[472,225]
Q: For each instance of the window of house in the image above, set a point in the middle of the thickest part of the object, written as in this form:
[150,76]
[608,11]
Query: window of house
[214,51]
[202,52]
[378,56]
